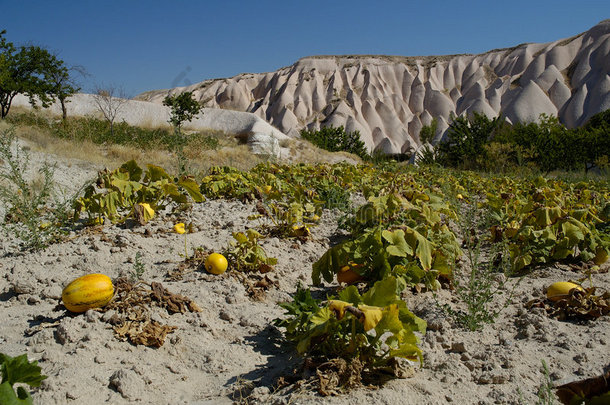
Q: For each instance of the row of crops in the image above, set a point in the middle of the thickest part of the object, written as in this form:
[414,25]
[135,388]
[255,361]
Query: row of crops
[402,236]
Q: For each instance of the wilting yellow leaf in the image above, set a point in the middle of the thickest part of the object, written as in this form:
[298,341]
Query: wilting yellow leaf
[372,316]
[338,307]
[149,213]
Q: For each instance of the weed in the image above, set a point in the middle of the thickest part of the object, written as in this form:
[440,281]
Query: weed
[335,197]
[138,268]
[485,280]
[545,391]
[30,215]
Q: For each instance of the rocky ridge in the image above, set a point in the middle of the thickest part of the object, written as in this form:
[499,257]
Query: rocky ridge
[389,98]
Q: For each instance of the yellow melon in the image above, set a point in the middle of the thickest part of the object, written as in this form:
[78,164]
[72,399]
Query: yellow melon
[87,292]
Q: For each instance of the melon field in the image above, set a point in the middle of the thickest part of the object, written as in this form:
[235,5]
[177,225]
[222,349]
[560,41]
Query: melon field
[345,284]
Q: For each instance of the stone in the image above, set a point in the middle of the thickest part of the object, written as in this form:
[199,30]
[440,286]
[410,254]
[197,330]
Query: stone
[127,383]
[264,145]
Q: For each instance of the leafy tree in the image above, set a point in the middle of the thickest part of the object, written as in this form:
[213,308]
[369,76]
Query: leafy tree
[27,70]
[466,137]
[546,143]
[335,139]
[595,136]
[64,85]
[109,101]
[183,109]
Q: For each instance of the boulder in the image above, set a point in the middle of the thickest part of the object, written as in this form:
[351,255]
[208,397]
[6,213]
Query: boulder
[264,145]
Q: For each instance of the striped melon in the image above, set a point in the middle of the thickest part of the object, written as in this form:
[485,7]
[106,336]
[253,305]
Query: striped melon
[86,292]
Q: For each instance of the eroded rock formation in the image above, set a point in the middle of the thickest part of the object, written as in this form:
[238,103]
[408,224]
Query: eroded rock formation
[388,98]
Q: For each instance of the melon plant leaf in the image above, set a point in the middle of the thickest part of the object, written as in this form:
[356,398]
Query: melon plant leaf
[155,173]
[382,293]
[407,351]
[8,396]
[601,256]
[423,249]
[132,168]
[192,188]
[573,232]
[329,264]
[398,246]
[390,320]
[20,370]
[351,295]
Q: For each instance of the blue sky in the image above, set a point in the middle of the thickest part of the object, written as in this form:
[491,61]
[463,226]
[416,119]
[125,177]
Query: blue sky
[146,45]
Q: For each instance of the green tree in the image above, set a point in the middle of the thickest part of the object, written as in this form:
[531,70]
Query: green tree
[466,137]
[64,85]
[183,109]
[26,70]
[595,137]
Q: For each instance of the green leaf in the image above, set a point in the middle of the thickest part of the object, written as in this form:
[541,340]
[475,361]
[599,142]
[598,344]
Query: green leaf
[398,245]
[20,370]
[411,320]
[408,351]
[192,188]
[601,256]
[389,321]
[423,251]
[132,168]
[322,316]
[382,293]
[573,232]
[351,295]
[156,173]
[329,264]
[8,396]
[109,203]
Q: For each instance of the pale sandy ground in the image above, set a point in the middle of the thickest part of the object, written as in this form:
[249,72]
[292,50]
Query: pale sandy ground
[214,353]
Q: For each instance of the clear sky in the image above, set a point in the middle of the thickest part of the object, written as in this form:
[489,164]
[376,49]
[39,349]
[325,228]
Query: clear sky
[146,45]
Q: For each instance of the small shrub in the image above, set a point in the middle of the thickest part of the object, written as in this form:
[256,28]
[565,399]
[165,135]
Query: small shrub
[477,289]
[138,268]
[335,139]
[245,253]
[32,214]
[427,133]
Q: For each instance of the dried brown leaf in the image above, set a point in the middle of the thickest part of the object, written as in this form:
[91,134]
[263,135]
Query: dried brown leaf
[578,305]
[584,389]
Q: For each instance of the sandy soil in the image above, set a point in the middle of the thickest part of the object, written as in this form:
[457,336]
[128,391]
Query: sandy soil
[230,352]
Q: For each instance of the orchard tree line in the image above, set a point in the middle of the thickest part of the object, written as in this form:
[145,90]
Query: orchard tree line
[34,72]
[492,144]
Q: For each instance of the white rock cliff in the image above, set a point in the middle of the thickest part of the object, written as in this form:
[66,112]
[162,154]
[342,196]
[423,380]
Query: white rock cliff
[389,98]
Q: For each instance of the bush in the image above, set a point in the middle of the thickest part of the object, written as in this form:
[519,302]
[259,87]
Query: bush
[480,143]
[33,214]
[336,140]
[427,133]
[465,140]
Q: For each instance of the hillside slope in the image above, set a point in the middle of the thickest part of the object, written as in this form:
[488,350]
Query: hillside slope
[389,98]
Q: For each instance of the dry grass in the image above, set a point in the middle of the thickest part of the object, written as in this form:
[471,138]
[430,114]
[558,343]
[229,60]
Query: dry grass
[231,150]
[303,151]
